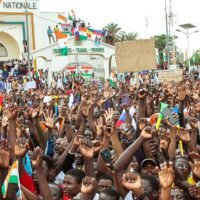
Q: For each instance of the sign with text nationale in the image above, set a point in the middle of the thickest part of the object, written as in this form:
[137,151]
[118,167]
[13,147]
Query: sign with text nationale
[18,5]
[136,55]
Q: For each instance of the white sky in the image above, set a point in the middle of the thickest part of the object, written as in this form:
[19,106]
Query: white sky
[130,15]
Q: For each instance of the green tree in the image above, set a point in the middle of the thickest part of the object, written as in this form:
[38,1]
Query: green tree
[161,43]
[114,29]
[123,36]
[195,59]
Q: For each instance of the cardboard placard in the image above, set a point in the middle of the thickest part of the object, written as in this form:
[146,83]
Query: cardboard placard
[170,75]
[136,55]
[30,85]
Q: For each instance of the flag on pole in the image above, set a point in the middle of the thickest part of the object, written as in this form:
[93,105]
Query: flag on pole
[122,117]
[89,33]
[83,33]
[61,19]
[12,178]
[62,42]
[160,116]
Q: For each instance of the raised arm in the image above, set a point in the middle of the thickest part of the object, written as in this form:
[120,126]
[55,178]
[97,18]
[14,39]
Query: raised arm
[45,191]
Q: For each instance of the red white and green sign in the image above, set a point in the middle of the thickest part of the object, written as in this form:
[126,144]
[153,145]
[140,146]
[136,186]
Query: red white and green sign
[86,71]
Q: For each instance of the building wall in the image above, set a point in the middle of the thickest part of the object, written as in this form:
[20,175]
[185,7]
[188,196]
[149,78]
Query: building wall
[38,23]
[11,45]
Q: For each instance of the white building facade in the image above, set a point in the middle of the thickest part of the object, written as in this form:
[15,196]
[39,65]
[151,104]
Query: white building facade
[13,27]
[13,36]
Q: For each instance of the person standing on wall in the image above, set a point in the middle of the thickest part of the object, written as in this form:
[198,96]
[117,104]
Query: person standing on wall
[50,35]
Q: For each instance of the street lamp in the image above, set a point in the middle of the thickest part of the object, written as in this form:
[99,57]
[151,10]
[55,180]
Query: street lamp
[187,34]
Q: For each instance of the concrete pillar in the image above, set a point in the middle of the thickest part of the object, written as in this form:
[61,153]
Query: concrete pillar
[106,68]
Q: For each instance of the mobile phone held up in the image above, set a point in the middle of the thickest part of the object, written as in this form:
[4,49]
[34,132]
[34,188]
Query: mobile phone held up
[168,113]
[125,100]
[107,157]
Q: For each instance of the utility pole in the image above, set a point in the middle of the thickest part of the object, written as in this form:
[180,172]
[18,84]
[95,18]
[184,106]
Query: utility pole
[147,24]
[167,32]
[28,45]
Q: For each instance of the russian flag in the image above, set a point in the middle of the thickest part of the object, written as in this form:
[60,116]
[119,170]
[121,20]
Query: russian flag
[121,119]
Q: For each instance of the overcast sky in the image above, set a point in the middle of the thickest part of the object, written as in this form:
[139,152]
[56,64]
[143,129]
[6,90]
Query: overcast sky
[131,14]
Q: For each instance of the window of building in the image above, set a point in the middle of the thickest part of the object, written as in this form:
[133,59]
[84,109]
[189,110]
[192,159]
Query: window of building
[3,51]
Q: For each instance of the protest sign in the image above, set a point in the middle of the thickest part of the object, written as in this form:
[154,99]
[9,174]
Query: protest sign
[136,55]
[47,99]
[30,85]
[170,75]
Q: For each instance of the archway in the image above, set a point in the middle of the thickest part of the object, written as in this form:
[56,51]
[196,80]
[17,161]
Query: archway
[11,46]
[3,51]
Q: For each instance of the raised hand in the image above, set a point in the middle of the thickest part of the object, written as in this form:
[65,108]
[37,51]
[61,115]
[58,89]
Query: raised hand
[97,145]
[125,129]
[194,122]
[131,181]
[35,113]
[109,166]
[99,126]
[21,147]
[181,93]
[166,122]
[166,175]
[36,158]
[184,135]
[195,165]
[12,112]
[85,110]
[142,123]
[109,129]
[4,154]
[109,115]
[164,144]
[148,132]
[5,120]
[197,107]
[141,94]
[149,100]
[88,185]
[49,119]
[77,139]
[86,148]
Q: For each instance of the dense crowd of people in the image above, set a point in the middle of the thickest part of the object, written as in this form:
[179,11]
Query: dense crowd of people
[90,142]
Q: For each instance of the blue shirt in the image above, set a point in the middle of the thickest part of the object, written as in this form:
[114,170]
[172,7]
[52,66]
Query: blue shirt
[49,31]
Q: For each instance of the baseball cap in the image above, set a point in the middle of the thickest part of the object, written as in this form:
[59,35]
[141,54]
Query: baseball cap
[146,161]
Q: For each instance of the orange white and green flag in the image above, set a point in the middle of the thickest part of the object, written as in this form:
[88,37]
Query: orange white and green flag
[62,42]
[83,33]
[62,19]
[11,178]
